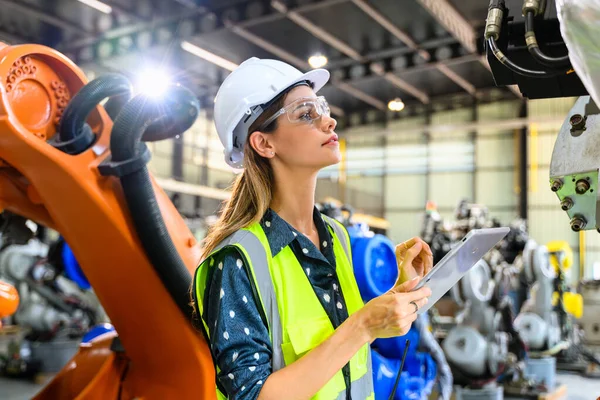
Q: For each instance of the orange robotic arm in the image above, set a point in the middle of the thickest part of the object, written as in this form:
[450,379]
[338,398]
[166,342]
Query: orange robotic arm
[158,353]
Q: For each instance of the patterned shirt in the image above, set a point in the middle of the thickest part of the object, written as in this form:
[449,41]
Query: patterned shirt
[240,341]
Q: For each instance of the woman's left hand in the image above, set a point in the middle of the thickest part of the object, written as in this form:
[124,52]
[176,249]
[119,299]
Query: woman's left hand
[419,266]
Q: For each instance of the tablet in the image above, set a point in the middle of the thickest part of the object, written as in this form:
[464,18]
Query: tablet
[458,262]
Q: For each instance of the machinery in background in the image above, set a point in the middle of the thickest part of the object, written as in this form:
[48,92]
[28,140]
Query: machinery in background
[589,321]
[486,353]
[376,271]
[57,306]
[548,320]
[489,344]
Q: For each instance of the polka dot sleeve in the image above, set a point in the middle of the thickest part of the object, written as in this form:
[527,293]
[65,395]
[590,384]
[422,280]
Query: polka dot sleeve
[239,339]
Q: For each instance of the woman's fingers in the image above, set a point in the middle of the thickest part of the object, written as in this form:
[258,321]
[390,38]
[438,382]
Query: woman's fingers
[406,286]
[421,303]
[412,253]
[415,295]
[411,242]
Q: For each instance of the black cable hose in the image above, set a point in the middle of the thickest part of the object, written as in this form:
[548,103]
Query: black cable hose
[518,69]
[552,62]
[176,116]
[115,104]
[73,119]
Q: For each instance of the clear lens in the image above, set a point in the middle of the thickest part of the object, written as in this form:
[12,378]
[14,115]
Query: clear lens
[304,110]
[307,110]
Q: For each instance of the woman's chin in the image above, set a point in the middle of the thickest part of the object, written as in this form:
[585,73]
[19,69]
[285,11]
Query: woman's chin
[333,160]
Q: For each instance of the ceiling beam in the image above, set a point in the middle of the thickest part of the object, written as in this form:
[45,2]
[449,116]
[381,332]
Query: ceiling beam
[268,46]
[391,28]
[432,65]
[458,26]
[191,15]
[460,81]
[317,31]
[403,37]
[43,16]
[406,39]
[360,95]
[131,29]
[400,83]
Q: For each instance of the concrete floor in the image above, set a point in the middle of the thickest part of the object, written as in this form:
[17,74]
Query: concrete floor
[578,388]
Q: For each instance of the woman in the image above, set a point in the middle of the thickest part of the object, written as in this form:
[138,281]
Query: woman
[275,293]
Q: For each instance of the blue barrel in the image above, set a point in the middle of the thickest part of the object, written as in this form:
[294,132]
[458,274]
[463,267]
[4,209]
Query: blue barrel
[394,347]
[410,388]
[96,332]
[72,269]
[429,366]
[375,266]
[384,375]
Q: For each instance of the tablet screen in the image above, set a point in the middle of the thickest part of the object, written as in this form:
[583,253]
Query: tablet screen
[459,261]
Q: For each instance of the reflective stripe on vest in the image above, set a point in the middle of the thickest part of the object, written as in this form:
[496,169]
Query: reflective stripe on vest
[258,255]
[259,258]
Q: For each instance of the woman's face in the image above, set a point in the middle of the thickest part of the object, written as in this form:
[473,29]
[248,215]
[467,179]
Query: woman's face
[303,143]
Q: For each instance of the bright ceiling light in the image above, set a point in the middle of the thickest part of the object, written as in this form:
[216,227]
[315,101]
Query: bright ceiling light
[317,61]
[98,5]
[396,105]
[153,82]
[208,56]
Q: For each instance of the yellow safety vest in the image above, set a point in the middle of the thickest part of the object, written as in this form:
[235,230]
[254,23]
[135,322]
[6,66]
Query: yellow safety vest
[296,319]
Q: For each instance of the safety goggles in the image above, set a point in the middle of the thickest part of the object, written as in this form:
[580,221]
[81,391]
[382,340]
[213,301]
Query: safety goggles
[304,110]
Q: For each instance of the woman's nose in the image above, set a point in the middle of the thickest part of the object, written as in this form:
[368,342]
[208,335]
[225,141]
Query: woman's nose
[328,123]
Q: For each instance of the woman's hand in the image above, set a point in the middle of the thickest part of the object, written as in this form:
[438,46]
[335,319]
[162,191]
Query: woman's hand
[414,258]
[393,313]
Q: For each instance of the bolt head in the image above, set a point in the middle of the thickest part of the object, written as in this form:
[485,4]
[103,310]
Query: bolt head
[556,185]
[577,122]
[582,186]
[577,224]
[575,119]
[566,204]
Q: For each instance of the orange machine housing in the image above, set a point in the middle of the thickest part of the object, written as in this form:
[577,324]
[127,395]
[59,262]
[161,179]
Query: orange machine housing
[164,357]
[9,300]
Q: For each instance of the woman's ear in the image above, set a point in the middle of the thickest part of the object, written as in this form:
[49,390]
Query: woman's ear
[261,143]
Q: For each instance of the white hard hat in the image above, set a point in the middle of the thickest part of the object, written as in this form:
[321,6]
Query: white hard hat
[243,94]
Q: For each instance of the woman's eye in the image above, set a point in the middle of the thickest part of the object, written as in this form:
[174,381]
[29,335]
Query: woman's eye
[306,116]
